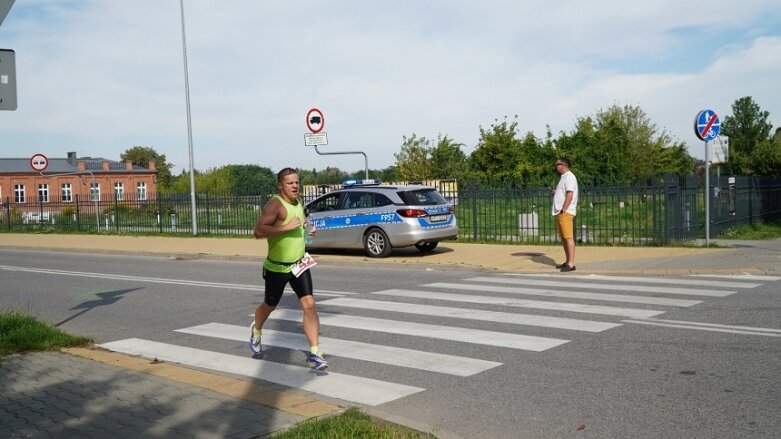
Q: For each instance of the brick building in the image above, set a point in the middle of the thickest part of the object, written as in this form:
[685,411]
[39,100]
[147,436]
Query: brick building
[73,179]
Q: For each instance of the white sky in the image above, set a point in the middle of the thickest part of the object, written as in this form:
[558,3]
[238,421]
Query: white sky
[100,76]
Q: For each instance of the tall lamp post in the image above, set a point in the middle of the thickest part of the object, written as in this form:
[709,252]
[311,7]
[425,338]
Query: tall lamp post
[189,124]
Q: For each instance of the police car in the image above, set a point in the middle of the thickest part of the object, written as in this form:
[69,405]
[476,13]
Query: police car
[379,218]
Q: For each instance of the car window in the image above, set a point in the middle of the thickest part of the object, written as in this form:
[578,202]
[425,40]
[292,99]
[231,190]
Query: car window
[381,200]
[422,197]
[358,200]
[328,202]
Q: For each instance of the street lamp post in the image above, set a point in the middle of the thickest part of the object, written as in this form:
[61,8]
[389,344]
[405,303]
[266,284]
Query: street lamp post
[189,124]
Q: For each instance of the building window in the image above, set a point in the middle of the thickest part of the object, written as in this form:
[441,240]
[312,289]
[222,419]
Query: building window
[141,191]
[119,190]
[18,193]
[94,191]
[67,193]
[43,193]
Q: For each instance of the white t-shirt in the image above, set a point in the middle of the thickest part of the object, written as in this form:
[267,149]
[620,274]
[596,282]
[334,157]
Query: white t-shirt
[567,183]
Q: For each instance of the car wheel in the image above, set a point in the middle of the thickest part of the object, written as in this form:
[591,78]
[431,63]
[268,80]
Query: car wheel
[376,244]
[426,246]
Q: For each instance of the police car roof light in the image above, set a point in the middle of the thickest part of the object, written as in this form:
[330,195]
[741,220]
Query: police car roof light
[364,182]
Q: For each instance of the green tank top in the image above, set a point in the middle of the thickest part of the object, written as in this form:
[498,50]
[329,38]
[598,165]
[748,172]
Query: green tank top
[288,247]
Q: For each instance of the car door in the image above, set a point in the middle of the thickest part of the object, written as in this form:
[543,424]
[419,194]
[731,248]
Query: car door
[324,212]
[354,217]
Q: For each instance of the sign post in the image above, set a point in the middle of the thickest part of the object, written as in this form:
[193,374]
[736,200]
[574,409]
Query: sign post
[707,126]
[7,67]
[7,80]
[315,121]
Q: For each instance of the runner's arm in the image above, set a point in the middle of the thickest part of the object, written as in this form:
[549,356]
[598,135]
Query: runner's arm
[271,219]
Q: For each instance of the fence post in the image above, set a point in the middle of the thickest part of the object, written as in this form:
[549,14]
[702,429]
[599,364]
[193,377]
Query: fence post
[208,215]
[159,213]
[78,213]
[7,207]
[115,217]
[473,194]
[672,217]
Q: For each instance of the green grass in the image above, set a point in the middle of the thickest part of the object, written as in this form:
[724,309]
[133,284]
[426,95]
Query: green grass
[762,231]
[352,424]
[22,333]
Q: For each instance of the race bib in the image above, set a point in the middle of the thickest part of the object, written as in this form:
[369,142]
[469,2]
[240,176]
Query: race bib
[304,264]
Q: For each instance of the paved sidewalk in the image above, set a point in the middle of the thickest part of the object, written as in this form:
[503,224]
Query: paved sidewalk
[86,393]
[733,257]
[66,395]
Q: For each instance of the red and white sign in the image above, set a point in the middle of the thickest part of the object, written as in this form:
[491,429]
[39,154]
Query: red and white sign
[39,162]
[315,121]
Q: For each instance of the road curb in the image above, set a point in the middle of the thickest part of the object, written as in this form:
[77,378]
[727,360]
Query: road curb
[283,400]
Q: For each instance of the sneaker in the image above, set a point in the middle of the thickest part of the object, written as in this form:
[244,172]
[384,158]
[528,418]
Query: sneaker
[566,268]
[254,342]
[560,266]
[317,360]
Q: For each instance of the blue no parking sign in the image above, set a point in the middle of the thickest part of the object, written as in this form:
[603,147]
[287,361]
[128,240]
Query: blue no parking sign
[707,125]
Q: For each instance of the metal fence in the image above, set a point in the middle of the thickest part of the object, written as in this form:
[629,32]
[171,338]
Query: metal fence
[657,214]
[743,200]
[669,211]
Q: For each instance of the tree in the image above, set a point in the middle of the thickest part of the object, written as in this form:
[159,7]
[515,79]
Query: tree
[746,128]
[534,166]
[651,152]
[142,155]
[249,179]
[497,152]
[447,159]
[766,159]
[620,145]
[414,159]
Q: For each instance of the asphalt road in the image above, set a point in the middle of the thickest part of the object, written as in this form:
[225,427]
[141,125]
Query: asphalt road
[568,370]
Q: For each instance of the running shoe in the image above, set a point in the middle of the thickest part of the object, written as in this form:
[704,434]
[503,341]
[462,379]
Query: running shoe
[317,360]
[254,341]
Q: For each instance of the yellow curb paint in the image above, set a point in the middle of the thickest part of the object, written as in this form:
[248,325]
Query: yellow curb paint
[290,402]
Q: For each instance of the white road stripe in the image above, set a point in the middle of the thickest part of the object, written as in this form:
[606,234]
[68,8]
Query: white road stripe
[521,303]
[347,387]
[746,276]
[428,361]
[747,330]
[474,314]
[638,288]
[567,294]
[650,280]
[476,336]
[155,280]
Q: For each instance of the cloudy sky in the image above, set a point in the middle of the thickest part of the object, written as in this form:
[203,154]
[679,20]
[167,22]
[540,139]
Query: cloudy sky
[100,76]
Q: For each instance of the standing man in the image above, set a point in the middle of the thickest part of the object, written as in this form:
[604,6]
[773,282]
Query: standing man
[282,223]
[565,201]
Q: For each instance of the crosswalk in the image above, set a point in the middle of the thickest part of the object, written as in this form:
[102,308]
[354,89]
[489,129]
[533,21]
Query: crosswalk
[514,304]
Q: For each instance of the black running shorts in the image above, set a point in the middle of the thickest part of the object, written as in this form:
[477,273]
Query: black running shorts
[275,285]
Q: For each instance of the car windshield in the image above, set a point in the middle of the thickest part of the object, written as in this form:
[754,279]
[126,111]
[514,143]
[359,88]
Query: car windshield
[422,197]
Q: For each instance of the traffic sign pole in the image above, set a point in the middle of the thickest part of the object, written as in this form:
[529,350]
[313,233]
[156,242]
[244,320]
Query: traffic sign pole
[707,194]
[315,122]
[706,127]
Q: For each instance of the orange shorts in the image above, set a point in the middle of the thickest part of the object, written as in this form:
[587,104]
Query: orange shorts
[565,225]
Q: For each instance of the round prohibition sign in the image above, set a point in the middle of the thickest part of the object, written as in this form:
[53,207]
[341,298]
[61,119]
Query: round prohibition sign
[39,162]
[707,125]
[315,121]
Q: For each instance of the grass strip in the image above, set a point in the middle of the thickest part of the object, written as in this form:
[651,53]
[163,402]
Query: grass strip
[756,231]
[22,333]
[352,424]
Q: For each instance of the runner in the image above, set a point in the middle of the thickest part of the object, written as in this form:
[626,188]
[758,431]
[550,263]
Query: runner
[282,223]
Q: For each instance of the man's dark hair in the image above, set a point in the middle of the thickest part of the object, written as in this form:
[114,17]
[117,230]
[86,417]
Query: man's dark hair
[284,173]
[566,160]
